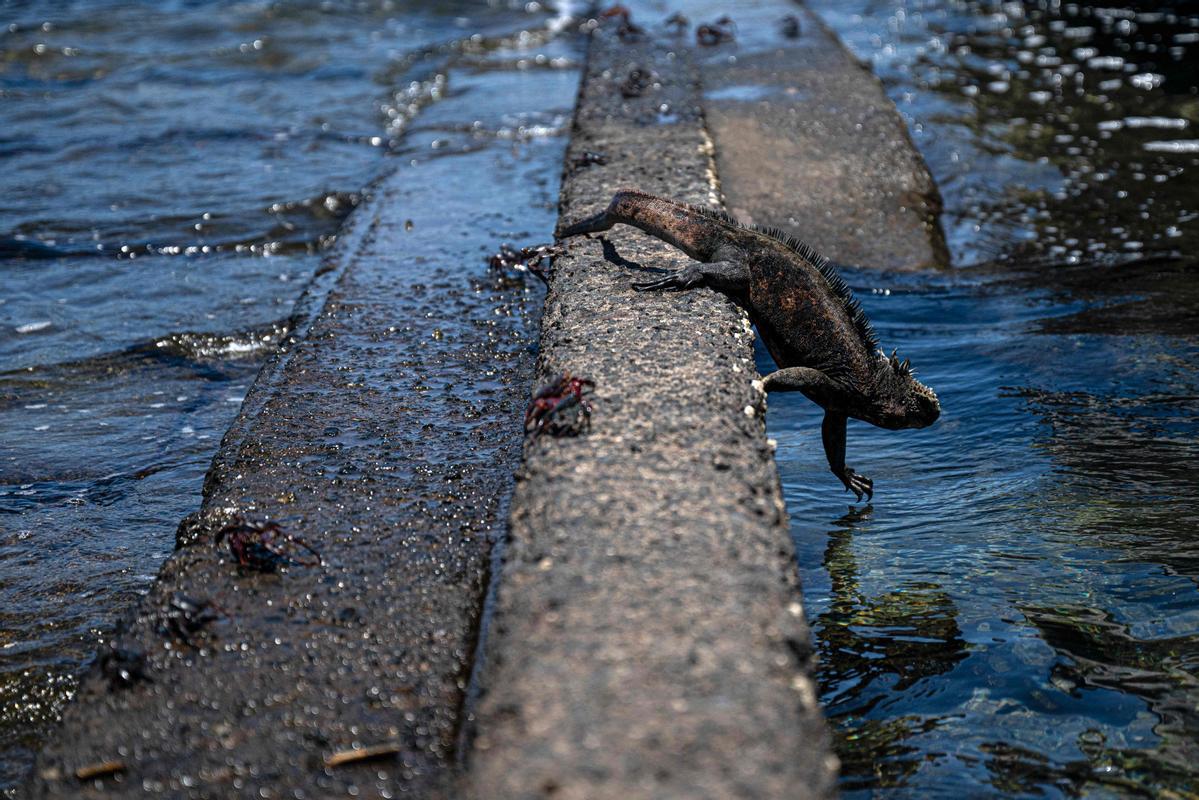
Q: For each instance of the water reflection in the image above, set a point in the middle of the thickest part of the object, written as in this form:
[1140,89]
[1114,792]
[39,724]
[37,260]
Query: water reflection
[1048,521]
[1151,293]
[893,639]
[1098,652]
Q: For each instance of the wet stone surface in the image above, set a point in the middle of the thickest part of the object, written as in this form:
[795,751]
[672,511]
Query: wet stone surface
[844,175]
[385,438]
[649,639]
[174,175]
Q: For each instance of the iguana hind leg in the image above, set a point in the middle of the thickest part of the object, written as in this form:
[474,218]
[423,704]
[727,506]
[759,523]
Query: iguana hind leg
[815,384]
[728,277]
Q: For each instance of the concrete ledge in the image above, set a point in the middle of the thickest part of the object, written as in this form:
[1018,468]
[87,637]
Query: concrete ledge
[649,639]
[842,174]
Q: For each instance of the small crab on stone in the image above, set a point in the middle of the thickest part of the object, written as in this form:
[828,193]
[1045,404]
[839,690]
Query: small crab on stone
[534,260]
[677,23]
[588,158]
[721,31]
[122,667]
[626,30]
[636,83]
[560,408]
[266,546]
[186,616]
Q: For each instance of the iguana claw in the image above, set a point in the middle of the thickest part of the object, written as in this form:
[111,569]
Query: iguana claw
[858,484]
[686,278]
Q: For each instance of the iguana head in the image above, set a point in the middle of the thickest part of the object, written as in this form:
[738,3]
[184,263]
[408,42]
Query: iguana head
[901,401]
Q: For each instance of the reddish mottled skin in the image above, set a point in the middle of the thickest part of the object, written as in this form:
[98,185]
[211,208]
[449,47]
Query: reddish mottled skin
[808,320]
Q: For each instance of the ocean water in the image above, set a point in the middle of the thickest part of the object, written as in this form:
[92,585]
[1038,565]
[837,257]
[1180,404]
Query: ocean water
[1015,614]
[173,175]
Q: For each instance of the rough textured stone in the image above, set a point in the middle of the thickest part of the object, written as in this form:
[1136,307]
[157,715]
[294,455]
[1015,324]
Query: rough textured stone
[649,639]
[843,173]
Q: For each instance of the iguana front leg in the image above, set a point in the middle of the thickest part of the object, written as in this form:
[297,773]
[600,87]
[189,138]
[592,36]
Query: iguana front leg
[815,383]
[833,434]
[727,277]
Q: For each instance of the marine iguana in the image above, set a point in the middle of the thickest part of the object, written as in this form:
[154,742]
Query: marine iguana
[806,314]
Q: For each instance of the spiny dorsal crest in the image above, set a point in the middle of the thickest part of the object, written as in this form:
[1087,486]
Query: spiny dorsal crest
[805,251]
[903,369]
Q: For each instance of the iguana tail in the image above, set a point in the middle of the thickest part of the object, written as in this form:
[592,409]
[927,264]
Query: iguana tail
[689,229]
[600,222]
[628,207]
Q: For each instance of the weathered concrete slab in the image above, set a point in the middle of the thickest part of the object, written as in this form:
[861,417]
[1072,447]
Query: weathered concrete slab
[807,141]
[386,437]
[649,639]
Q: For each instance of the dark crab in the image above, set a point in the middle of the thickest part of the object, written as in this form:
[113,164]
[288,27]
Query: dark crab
[123,668]
[626,31]
[266,546]
[533,260]
[790,26]
[636,83]
[560,408]
[677,23]
[721,31]
[186,616]
[588,158]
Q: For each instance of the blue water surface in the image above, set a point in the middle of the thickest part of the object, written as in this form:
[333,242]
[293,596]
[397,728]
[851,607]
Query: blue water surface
[172,176]
[1016,613]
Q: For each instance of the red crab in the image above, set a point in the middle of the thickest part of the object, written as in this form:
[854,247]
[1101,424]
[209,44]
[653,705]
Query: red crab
[266,546]
[627,31]
[560,408]
[678,23]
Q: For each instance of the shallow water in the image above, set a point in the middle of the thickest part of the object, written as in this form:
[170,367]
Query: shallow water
[173,175]
[1016,612]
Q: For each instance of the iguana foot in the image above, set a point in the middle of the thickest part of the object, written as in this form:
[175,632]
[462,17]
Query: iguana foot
[858,484]
[686,278]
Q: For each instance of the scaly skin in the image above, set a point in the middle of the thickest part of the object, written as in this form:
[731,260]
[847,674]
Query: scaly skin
[807,317]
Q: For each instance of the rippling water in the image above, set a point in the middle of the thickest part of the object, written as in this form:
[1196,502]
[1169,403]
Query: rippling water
[1016,613]
[172,175]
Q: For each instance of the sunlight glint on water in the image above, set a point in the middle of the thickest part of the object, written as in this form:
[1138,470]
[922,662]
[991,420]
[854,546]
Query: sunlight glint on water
[1016,613]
